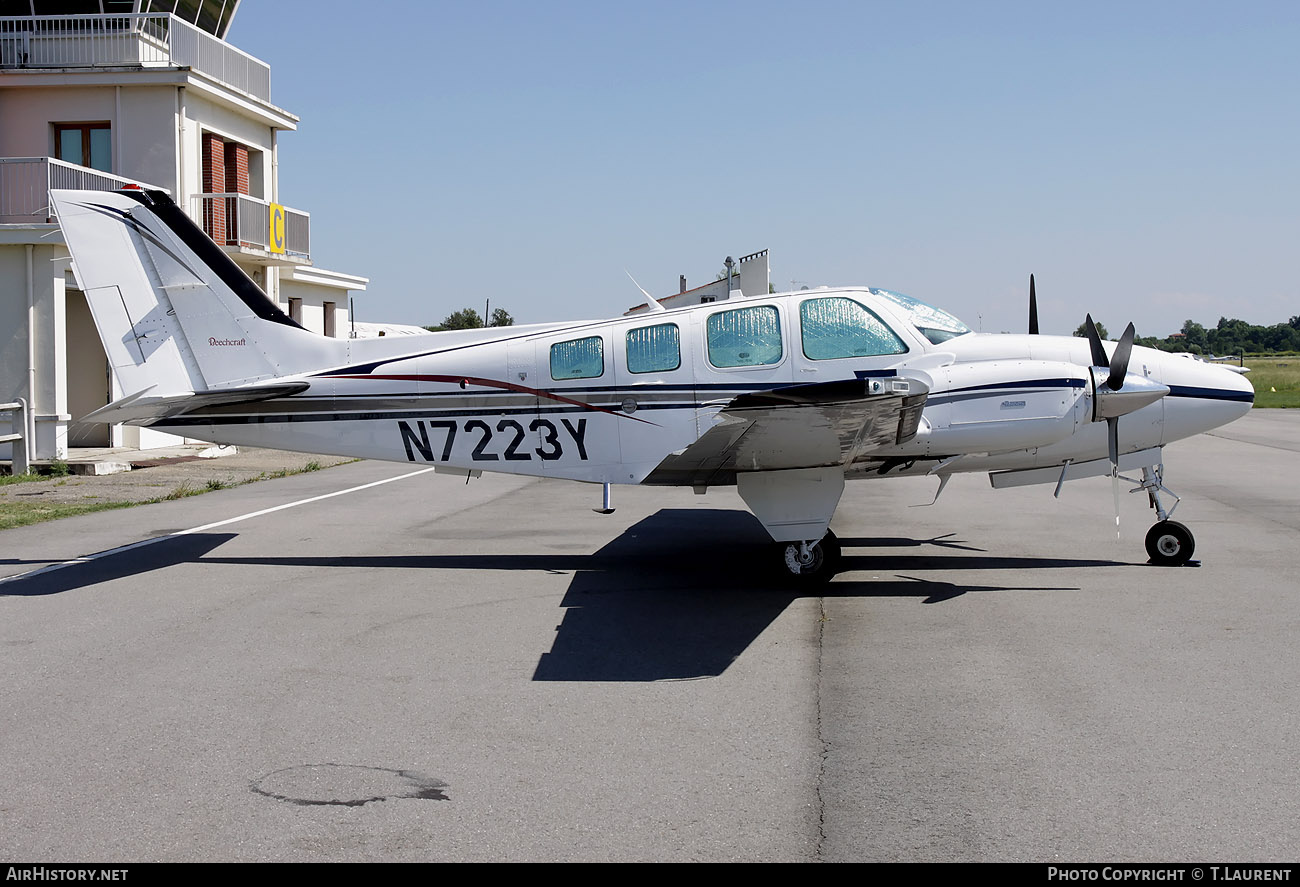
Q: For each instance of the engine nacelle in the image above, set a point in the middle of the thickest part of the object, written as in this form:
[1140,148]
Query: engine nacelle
[1002,405]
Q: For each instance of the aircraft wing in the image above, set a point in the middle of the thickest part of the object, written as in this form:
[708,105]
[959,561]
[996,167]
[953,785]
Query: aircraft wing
[798,426]
[142,409]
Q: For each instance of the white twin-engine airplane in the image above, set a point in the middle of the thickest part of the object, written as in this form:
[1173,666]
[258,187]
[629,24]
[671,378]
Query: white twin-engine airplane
[786,396]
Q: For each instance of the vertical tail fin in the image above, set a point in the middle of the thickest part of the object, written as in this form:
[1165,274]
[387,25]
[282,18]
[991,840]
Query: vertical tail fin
[176,314]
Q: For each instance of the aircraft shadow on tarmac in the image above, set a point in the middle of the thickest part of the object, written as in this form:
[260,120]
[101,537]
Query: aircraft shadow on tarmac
[138,561]
[679,595]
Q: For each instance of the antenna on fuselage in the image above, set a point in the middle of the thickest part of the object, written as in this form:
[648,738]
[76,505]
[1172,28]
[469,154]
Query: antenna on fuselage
[1033,308]
[651,302]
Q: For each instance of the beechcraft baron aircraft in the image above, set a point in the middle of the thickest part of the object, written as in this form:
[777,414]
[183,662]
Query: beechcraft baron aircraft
[786,396]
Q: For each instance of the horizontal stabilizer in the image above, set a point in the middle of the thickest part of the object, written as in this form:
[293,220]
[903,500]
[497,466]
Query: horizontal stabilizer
[140,408]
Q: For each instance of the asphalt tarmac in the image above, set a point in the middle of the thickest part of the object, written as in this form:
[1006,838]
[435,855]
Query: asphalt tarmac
[372,662]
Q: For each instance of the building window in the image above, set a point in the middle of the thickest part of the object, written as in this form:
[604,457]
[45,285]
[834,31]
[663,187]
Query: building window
[745,337]
[295,310]
[329,319]
[578,359]
[654,349]
[836,327]
[85,144]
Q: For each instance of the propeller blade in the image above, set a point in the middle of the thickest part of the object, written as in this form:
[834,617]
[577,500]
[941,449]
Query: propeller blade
[1033,308]
[1099,358]
[1112,435]
[1119,360]
[1112,442]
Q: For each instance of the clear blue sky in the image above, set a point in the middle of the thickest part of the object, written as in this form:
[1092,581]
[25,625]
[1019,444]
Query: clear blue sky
[1141,158]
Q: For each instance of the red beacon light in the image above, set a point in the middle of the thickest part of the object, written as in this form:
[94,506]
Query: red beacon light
[132,188]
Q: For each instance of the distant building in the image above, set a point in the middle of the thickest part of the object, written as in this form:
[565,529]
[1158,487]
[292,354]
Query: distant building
[749,276]
[109,92]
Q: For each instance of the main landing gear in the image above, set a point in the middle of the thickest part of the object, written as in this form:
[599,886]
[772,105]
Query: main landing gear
[1169,543]
[795,506]
[811,562]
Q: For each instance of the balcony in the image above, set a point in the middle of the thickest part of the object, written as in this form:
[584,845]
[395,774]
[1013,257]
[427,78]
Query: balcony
[264,233]
[254,228]
[25,184]
[142,40]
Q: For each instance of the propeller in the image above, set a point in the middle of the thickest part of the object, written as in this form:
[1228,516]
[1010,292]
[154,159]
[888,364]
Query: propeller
[1033,308]
[1113,397]
[1099,358]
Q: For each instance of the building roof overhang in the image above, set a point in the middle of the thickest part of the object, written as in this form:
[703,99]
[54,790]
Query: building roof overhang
[325,277]
[139,75]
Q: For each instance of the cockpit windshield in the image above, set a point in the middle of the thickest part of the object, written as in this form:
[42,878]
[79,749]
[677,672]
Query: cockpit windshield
[933,323]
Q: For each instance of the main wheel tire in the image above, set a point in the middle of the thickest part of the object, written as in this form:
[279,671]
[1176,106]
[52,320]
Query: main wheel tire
[820,566]
[1170,544]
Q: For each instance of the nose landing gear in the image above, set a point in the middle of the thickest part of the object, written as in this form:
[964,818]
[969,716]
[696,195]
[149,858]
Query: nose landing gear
[1169,543]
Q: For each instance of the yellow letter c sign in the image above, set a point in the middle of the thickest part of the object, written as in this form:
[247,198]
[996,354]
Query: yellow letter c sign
[277,228]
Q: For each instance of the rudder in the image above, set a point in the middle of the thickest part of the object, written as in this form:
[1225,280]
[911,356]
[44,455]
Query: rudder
[176,314]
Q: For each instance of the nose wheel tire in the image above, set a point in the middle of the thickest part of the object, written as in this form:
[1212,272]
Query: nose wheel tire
[1170,544]
[817,564]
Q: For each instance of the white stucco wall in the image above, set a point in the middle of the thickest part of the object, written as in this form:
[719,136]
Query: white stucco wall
[314,298]
[204,115]
[50,396]
[28,113]
[146,135]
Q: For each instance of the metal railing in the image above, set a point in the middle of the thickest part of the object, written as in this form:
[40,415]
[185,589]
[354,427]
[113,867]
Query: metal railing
[242,221]
[75,41]
[20,440]
[25,184]
[229,219]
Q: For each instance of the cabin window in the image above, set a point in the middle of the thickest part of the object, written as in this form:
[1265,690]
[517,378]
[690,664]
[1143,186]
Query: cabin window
[935,324]
[745,337]
[836,327]
[654,349]
[578,359]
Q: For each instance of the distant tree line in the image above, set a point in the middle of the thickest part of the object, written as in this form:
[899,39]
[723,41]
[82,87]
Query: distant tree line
[469,319]
[1230,336]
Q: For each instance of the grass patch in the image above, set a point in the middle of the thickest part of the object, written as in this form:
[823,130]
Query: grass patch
[20,514]
[1276,381]
[57,468]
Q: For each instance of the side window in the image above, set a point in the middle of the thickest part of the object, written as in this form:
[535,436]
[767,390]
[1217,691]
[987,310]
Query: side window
[85,144]
[578,359]
[653,349]
[745,337]
[838,327]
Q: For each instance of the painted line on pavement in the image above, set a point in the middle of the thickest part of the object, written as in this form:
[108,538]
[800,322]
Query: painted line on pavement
[49,568]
